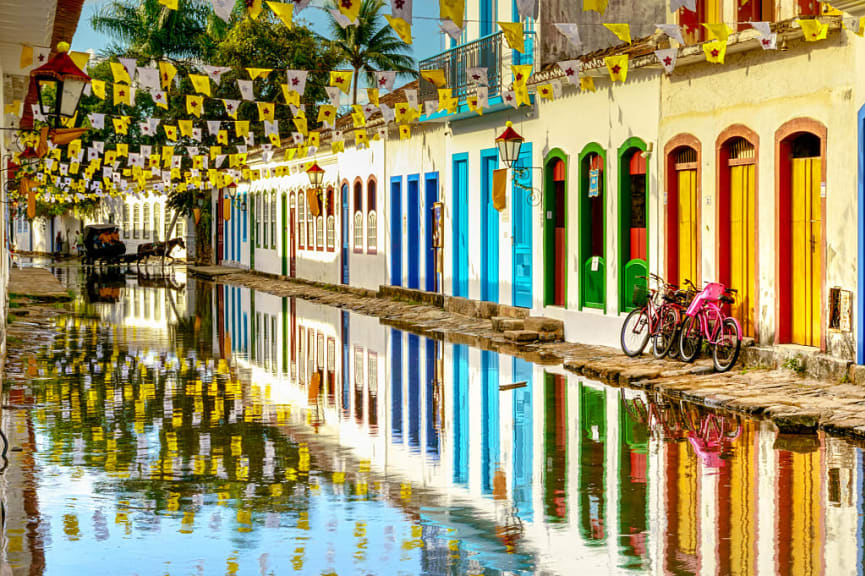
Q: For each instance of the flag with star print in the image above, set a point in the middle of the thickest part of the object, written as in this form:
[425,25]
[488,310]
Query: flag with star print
[401,27]
[768,39]
[571,70]
[715,51]
[297,80]
[326,113]
[265,111]
[201,83]
[404,132]
[667,58]
[222,137]
[349,8]
[385,80]
[402,9]
[161,100]
[813,29]
[167,72]
[618,67]
[122,94]
[170,132]
[478,75]
[231,107]
[341,79]
[215,72]
[291,97]
[284,11]
[453,10]
[241,128]
[97,121]
[434,77]
[361,139]
[194,105]
[119,73]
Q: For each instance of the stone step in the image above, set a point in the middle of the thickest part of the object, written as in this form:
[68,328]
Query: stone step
[541,324]
[521,335]
[506,323]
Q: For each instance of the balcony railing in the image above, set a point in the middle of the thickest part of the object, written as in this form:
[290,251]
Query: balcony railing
[490,52]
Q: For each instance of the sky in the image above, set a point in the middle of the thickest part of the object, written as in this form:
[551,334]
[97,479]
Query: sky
[427,37]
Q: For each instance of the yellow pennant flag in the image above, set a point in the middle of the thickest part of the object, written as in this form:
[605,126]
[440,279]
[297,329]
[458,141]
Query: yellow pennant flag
[291,96]
[545,91]
[122,94]
[404,132]
[813,29]
[194,105]
[521,74]
[122,150]
[435,77]
[403,113]
[201,83]
[98,88]
[401,27]
[587,84]
[514,35]
[351,8]
[119,72]
[326,113]
[81,59]
[283,11]
[361,139]
[265,111]
[274,139]
[258,72]
[472,102]
[357,116]
[599,6]
[170,4]
[241,128]
[618,67]
[167,71]
[622,31]
[170,133]
[452,10]
[221,138]
[341,79]
[301,124]
[253,9]
[522,94]
[121,125]
[185,128]
[372,94]
[74,148]
[26,56]
[715,51]
[717,31]
[314,139]
[290,154]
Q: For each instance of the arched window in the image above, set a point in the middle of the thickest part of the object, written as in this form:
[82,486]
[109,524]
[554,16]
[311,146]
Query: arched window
[136,219]
[319,231]
[371,219]
[358,216]
[126,222]
[331,221]
[145,223]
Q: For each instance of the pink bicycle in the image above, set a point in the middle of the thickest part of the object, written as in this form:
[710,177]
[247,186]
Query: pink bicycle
[706,320]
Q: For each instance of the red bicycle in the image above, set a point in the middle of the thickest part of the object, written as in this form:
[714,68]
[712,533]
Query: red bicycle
[706,320]
[657,315]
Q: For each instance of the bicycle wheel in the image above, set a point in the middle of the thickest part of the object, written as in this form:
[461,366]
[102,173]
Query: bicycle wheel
[726,351]
[665,336]
[635,332]
[690,339]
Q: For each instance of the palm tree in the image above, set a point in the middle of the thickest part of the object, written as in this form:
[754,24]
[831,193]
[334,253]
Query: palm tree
[370,46]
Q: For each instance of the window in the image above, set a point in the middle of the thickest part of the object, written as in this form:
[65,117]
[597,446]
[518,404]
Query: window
[708,11]
[136,216]
[264,220]
[358,217]
[310,225]
[301,218]
[756,11]
[256,213]
[331,221]
[179,227]
[243,216]
[157,212]
[273,219]
[126,222]
[145,222]
[371,219]
[358,384]
[319,232]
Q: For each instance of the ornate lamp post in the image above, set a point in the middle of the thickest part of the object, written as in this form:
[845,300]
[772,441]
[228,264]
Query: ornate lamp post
[59,84]
[509,144]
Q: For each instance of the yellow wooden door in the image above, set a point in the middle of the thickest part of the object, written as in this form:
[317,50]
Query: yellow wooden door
[687,226]
[807,237]
[743,247]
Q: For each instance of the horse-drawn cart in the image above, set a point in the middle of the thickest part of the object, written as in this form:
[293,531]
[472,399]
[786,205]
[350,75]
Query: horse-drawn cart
[102,245]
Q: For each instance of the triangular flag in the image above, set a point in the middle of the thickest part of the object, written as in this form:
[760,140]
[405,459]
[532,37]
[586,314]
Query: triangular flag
[215,72]
[672,31]
[527,9]
[246,92]
[194,105]
[201,83]
[599,6]
[291,97]
[148,78]
[571,32]
[81,59]
[265,111]
[452,30]
[231,107]
[167,71]
[185,128]
[690,5]
[618,67]
[350,8]
[222,137]
[855,25]
[401,27]
[385,80]
[545,91]
[118,71]
[341,19]
[452,10]
[813,29]
[283,11]
[402,9]
[509,98]
[521,74]
[98,88]
[161,100]
[326,113]
[301,125]
[514,35]
[715,51]
[667,58]
[297,80]
[435,77]
[253,8]
[718,31]
[258,72]
[213,127]
[26,56]
[223,9]
[622,31]
[130,65]
[361,139]
[571,70]
[372,95]
[341,79]
[478,75]
[170,131]
[587,84]
[333,94]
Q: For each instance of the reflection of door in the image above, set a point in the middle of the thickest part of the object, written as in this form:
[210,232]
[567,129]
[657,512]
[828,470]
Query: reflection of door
[413,243]
[743,245]
[396,232]
[413,368]
[592,454]
[490,423]
[431,196]
[554,233]
[555,447]
[687,211]
[523,450]
[489,229]
[292,232]
[284,219]
[396,385]
[461,414]
[346,360]
[345,217]
[460,240]
[522,230]
[807,235]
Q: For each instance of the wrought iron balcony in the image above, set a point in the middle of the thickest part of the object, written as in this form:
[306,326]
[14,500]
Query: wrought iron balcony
[490,52]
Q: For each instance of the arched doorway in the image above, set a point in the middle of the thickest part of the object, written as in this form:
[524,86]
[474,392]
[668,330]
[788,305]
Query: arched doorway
[633,220]
[800,156]
[292,231]
[592,253]
[555,239]
[737,222]
[683,210]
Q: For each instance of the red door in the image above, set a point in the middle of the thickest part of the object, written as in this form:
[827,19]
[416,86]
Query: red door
[220,228]
[292,252]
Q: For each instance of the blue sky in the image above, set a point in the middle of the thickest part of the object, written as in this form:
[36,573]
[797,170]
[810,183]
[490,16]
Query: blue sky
[427,38]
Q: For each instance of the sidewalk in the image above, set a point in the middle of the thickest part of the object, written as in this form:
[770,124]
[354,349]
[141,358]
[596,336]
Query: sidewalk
[37,283]
[795,404]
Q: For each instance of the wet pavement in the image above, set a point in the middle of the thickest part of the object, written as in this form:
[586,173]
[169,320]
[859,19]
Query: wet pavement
[168,426]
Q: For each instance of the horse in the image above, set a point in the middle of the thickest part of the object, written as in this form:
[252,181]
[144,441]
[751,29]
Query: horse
[159,249]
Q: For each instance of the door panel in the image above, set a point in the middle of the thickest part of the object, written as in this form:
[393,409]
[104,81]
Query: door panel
[460,228]
[522,231]
[807,235]
[489,230]
[431,192]
[688,226]
[344,252]
[413,236]
[743,247]
[396,232]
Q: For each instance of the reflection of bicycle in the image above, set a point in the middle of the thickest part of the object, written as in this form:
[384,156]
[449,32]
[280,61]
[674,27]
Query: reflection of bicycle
[659,416]
[712,438]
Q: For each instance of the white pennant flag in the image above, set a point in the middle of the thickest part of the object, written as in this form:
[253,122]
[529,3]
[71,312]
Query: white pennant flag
[92,154]
[300,5]
[297,80]
[411,98]
[385,80]
[571,32]
[99,145]
[430,107]
[220,160]
[213,127]
[852,24]
[250,139]
[297,110]
[690,5]
[557,88]
[478,75]
[368,110]
[196,134]
[97,121]
[341,18]
[271,127]
[242,148]
[333,93]
[192,151]
[146,150]
[402,9]
[223,8]
[510,98]
[154,124]
[451,29]
[483,94]
[215,72]
[527,9]
[673,31]
[148,78]
[338,136]
[246,90]
[37,112]
[130,64]
[768,39]
[387,113]
[161,98]
[297,138]
[382,133]
[571,70]
[231,106]
[145,128]
[667,58]
[40,55]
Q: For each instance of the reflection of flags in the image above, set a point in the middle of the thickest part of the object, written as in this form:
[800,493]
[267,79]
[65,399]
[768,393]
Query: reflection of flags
[618,67]
[404,132]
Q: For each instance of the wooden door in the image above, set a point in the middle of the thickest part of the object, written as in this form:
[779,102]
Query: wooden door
[807,238]
[688,226]
[743,246]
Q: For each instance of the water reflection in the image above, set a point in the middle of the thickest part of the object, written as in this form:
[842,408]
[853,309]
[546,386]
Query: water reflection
[216,430]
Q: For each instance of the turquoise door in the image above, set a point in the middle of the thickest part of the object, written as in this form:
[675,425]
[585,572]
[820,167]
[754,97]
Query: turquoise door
[489,229]
[523,450]
[522,230]
[460,240]
[490,443]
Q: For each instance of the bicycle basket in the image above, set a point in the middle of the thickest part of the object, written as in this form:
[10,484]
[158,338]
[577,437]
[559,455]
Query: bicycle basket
[641,296]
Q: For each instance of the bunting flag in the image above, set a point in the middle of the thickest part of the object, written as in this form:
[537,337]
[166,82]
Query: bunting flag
[435,77]
[452,10]
[274,141]
[194,105]
[514,35]
[667,58]
[167,72]
[222,137]
[571,69]
[387,113]
[715,51]
[148,78]
[813,29]
[452,30]
[479,76]
[599,6]
[718,31]
[411,97]
[97,121]
[855,25]
[215,72]
[118,71]
[241,128]
[301,125]
[283,11]
[170,4]
[341,79]
[337,146]
[130,65]
[483,96]
[672,31]
[297,80]
[622,31]
[26,56]
[314,139]
[291,97]
[122,94]
[618,67]
[266,111]
[527,9]
[98,88]
[402,9]
[372,95]
[571,32]
[509,98]
[361,139]
[385,80]
[231,107]
[521,74]
[690,5]
[161,100]
[326,113]
[223,8]
[545,91]
[246,92]
[259,72]
[405,130]
[357,116]
[404,113]
[213,127]
[350,9]
[474,106]
[185,128]
[401,27]
[170,132]
[253,8]
[201,83]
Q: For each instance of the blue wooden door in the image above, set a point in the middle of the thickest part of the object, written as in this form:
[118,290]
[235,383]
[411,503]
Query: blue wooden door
[490,443]
[344,213]
[431,432]
[521,209]
[523,440]
[489,229]
[461,414]
[413,242]
[396,385]
[346,362]
[396,232]
[431,196]
[414,391]
[460,215]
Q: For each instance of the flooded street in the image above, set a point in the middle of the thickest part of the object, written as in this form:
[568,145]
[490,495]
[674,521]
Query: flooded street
[170,426]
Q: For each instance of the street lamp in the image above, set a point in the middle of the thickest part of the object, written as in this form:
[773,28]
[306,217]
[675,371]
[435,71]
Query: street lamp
[509,144]
[316,175]
[59,83]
